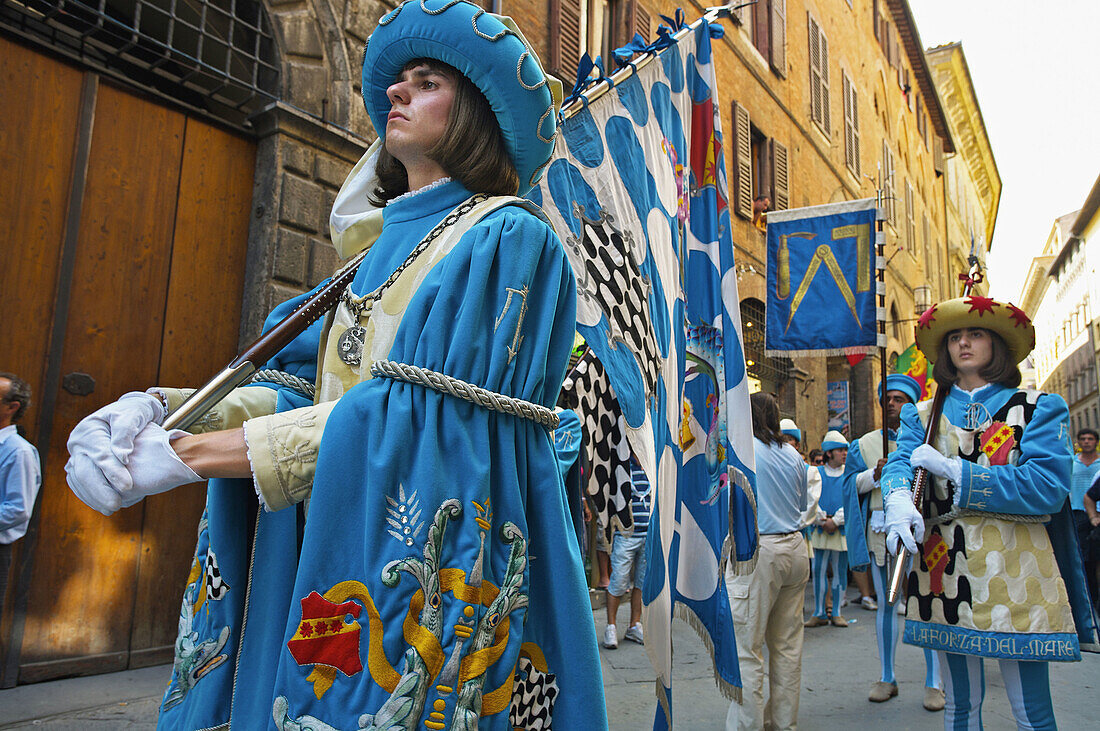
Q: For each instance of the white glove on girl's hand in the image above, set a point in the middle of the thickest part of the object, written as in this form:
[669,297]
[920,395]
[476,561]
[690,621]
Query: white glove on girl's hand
[929,458]
[154,467]
[106,437]
[903,521]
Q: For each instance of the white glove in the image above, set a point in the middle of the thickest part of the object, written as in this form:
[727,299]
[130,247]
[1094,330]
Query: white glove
[929,458]
[154,467]
[106,437]
[903,521]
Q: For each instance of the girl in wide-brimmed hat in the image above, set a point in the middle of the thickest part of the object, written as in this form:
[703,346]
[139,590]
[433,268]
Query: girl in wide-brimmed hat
[987,580]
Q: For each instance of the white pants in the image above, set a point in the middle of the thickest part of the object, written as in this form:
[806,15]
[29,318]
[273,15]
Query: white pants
[767,609]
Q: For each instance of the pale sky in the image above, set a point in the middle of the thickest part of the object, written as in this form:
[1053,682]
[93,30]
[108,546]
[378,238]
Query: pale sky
[1036,71]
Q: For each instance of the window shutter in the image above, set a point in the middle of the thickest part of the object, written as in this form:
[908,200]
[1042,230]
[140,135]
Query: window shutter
[742,161]
[779,37]
[937,155]
[876,22]
[855,131]
[825,116]
[641,20]
[781,193]
[565,39]
[910,224]
[815,69]
[851,125]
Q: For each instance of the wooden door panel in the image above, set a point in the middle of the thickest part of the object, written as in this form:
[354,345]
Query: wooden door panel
[202,321]
[40,99]
[85,574]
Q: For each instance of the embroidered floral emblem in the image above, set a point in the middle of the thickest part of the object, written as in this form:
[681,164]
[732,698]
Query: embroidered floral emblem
[997,442]
[404,516]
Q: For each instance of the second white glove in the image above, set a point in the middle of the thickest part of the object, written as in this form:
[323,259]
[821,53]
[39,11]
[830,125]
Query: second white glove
[154,467]
[903,522]
[928,457]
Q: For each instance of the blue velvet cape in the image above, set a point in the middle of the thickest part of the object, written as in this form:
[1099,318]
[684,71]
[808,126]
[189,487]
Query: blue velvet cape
[357,623]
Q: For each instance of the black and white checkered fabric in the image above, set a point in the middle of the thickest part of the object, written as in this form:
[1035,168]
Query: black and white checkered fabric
[215,587]
[612,278]
[587,390]
[533,697]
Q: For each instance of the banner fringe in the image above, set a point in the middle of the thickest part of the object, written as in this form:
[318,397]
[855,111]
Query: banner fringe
[662,701]
[811,352]
[684,612]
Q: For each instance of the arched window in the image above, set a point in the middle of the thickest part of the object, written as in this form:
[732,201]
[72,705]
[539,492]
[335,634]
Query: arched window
[214,57]
[771,373]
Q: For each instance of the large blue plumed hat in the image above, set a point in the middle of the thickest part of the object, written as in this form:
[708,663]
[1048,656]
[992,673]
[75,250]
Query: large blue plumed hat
[904,383]
[488,50]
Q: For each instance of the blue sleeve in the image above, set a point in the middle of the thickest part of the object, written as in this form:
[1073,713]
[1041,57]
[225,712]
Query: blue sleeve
[854,514]
[898,473]
[19,479]
[1038,483]
[854,463]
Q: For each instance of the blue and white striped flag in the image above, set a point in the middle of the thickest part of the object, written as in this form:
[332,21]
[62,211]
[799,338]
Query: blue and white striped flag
[637,191]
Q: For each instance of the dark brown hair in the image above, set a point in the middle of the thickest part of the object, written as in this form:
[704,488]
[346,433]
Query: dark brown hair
[19,392]
[1000,369]
[471,150]
[765,418]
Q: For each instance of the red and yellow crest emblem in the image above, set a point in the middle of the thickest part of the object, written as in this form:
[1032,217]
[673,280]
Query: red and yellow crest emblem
[324,638]
[997,442]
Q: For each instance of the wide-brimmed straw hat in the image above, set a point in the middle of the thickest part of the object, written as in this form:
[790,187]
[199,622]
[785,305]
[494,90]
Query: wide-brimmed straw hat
[1003,318]
[487,49]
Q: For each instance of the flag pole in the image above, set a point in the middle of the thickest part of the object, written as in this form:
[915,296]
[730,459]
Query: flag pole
[606,84]
[880,253]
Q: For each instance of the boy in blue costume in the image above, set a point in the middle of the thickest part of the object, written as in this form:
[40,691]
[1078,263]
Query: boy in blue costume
[827,534]
[863,480]
[996,573]
[415,565]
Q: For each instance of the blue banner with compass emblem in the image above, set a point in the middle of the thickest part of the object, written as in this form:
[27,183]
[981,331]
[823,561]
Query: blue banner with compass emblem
[822,282]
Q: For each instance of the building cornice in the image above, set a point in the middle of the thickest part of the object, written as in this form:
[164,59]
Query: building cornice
[956,89]
[914,49]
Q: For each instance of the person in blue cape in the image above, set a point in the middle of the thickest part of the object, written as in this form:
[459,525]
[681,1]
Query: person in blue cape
[827,534]
[383,547]
[996,572]
[862,472]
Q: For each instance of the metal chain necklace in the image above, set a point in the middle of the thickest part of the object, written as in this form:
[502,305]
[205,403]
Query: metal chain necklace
[352,341]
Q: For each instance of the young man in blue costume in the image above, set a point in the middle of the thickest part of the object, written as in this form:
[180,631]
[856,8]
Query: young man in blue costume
[827,533]
[863,480]
[996,573]
[414,564]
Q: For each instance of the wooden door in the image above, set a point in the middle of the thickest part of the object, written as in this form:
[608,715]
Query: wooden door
[140,285]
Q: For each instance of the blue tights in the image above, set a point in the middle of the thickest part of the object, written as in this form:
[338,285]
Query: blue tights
[1027,685]
[839,561]
[888,629]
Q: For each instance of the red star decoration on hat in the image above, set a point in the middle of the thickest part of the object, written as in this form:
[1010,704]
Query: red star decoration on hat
[927,318]
[981,305]
[1021,318]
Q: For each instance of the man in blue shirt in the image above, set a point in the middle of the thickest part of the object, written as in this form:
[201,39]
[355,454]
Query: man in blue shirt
[20,476]
[1085,468]
[767,604]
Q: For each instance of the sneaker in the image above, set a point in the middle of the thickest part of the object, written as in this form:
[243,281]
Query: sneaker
[838,621]
[882,692]
[933,699]
[868,603]
[815,622]
[634,634]
[610,637]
